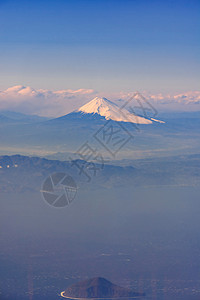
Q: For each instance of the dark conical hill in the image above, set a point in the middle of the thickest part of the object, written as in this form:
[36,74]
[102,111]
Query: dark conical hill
[98,287]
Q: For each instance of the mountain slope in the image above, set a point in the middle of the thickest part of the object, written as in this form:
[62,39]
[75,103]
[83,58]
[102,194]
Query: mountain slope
[13,116]
[6,120]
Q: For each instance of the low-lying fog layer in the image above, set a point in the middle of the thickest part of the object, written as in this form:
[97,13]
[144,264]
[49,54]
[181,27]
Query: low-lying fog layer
[146,238]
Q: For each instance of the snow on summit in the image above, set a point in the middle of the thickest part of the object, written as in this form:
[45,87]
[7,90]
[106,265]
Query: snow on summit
[110,110]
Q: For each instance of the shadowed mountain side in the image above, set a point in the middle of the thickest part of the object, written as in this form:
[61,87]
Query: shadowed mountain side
[98,288]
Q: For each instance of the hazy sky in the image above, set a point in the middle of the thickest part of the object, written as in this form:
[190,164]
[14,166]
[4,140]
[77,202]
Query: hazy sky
[105,45]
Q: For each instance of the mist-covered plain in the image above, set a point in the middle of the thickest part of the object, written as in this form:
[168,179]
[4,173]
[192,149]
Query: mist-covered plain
[136,225]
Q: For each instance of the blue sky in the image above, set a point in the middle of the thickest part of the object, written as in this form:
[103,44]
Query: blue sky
[104,45]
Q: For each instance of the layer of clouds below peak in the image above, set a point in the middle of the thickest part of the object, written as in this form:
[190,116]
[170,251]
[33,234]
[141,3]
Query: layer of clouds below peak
[56,103]
[43,102]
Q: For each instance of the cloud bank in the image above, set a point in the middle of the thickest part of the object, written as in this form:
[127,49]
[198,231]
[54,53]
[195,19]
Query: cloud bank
[56,103]
[43,102]
[187,101]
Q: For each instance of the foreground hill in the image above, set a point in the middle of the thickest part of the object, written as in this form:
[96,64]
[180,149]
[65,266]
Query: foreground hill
[98,288]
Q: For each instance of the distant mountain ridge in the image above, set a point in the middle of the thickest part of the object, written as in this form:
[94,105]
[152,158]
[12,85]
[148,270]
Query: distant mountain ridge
[11,117]
[99,288]
[21,173]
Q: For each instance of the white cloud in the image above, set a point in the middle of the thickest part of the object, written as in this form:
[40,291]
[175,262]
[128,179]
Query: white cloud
[188,101]
[43,102]
[191,97]
[56,103]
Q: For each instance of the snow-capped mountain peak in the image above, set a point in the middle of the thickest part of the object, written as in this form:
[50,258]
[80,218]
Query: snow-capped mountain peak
[110,110]
[101,106]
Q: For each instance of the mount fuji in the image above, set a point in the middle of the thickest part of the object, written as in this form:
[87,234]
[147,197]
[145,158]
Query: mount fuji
[67,133]
[102,108]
